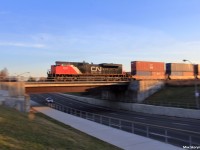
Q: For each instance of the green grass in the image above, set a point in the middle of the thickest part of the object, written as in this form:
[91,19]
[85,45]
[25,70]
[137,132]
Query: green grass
[174,96]
[20,131]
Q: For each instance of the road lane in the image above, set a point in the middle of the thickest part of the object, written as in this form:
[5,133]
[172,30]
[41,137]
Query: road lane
[187,126]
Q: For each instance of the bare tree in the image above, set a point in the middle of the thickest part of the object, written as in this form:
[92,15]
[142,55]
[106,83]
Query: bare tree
[31,79]
[42,79]
[4,74]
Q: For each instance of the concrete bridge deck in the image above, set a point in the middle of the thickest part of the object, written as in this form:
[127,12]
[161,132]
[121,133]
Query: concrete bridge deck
[77,83]
[38,87]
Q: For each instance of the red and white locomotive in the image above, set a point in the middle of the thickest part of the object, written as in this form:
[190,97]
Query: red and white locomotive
[83,71]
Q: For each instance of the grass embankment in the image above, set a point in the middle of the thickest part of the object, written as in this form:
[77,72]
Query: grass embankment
[19,131]
[174,96]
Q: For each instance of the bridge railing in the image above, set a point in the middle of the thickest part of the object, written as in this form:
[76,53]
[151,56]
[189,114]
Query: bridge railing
[165,134]
[75,82]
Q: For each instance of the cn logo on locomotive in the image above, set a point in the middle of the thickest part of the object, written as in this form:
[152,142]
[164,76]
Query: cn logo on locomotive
[96,69]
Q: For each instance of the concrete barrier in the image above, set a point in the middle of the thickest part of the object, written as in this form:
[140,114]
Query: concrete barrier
[17,103]
[12,94]
[3,95]
[143,108]
[168,111]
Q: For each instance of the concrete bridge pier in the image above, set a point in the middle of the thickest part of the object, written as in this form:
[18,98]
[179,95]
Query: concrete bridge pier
[138,91]
[135,92]
[26,103]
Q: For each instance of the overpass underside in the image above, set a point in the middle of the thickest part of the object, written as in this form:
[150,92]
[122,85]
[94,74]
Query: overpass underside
[135,91]
[82,87]
[69,89]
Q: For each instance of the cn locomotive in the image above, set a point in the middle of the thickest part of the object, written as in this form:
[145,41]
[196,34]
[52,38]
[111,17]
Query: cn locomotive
[83,71]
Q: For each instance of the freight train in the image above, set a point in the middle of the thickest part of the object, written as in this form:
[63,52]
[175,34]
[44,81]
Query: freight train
[140,70]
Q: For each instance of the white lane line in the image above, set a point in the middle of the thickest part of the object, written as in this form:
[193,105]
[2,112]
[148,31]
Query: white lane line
[139,118]
[113,113]
[181,124]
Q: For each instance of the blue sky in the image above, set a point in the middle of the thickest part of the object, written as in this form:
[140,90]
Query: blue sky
[36,33]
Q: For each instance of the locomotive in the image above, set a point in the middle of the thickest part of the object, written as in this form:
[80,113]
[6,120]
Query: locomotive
[83,71]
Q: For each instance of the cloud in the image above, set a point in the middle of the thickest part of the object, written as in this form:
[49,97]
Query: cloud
[113,44]
[18,44]
[119,44]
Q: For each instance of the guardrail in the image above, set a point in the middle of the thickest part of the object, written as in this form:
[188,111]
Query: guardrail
[67,79]
[74,82]
[173,136]
[172,104]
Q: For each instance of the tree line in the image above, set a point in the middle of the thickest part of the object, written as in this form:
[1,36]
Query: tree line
[4,76]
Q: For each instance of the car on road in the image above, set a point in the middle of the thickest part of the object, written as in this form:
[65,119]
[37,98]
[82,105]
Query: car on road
[49,100]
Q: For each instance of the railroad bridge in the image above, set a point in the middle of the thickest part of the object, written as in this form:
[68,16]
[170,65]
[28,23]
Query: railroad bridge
[134,91]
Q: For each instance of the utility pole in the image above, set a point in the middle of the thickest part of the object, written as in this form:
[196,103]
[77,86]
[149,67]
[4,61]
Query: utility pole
[196,92]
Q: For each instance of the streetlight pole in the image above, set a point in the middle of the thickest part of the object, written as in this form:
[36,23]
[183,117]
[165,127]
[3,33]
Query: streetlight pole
[196,93]
[21,74]
[21,93]
[20,89]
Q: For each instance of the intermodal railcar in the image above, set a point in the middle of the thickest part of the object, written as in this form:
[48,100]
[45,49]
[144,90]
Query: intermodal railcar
[141,70]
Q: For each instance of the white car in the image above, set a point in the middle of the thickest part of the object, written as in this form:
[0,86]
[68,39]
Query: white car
[49,100]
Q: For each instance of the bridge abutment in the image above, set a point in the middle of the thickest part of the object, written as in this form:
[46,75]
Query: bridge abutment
[140,90]
[135,92]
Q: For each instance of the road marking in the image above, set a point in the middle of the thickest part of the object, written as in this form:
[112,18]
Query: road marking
[181,124]
[139,118]
[113,113]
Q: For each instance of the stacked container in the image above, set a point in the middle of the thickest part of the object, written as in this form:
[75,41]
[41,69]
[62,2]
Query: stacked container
[147,70]
[180,71]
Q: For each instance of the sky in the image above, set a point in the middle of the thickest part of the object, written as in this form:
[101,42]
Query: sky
[36,33]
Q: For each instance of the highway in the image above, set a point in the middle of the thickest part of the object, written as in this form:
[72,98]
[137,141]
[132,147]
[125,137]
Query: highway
[177,127]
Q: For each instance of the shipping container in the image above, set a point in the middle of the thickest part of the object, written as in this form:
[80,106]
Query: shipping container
[176,73]
[181,77]
[158,73]
[188,74]
[179,67]
[147,70]
[148,66]
[137,77]
[142,73]
[148,73]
